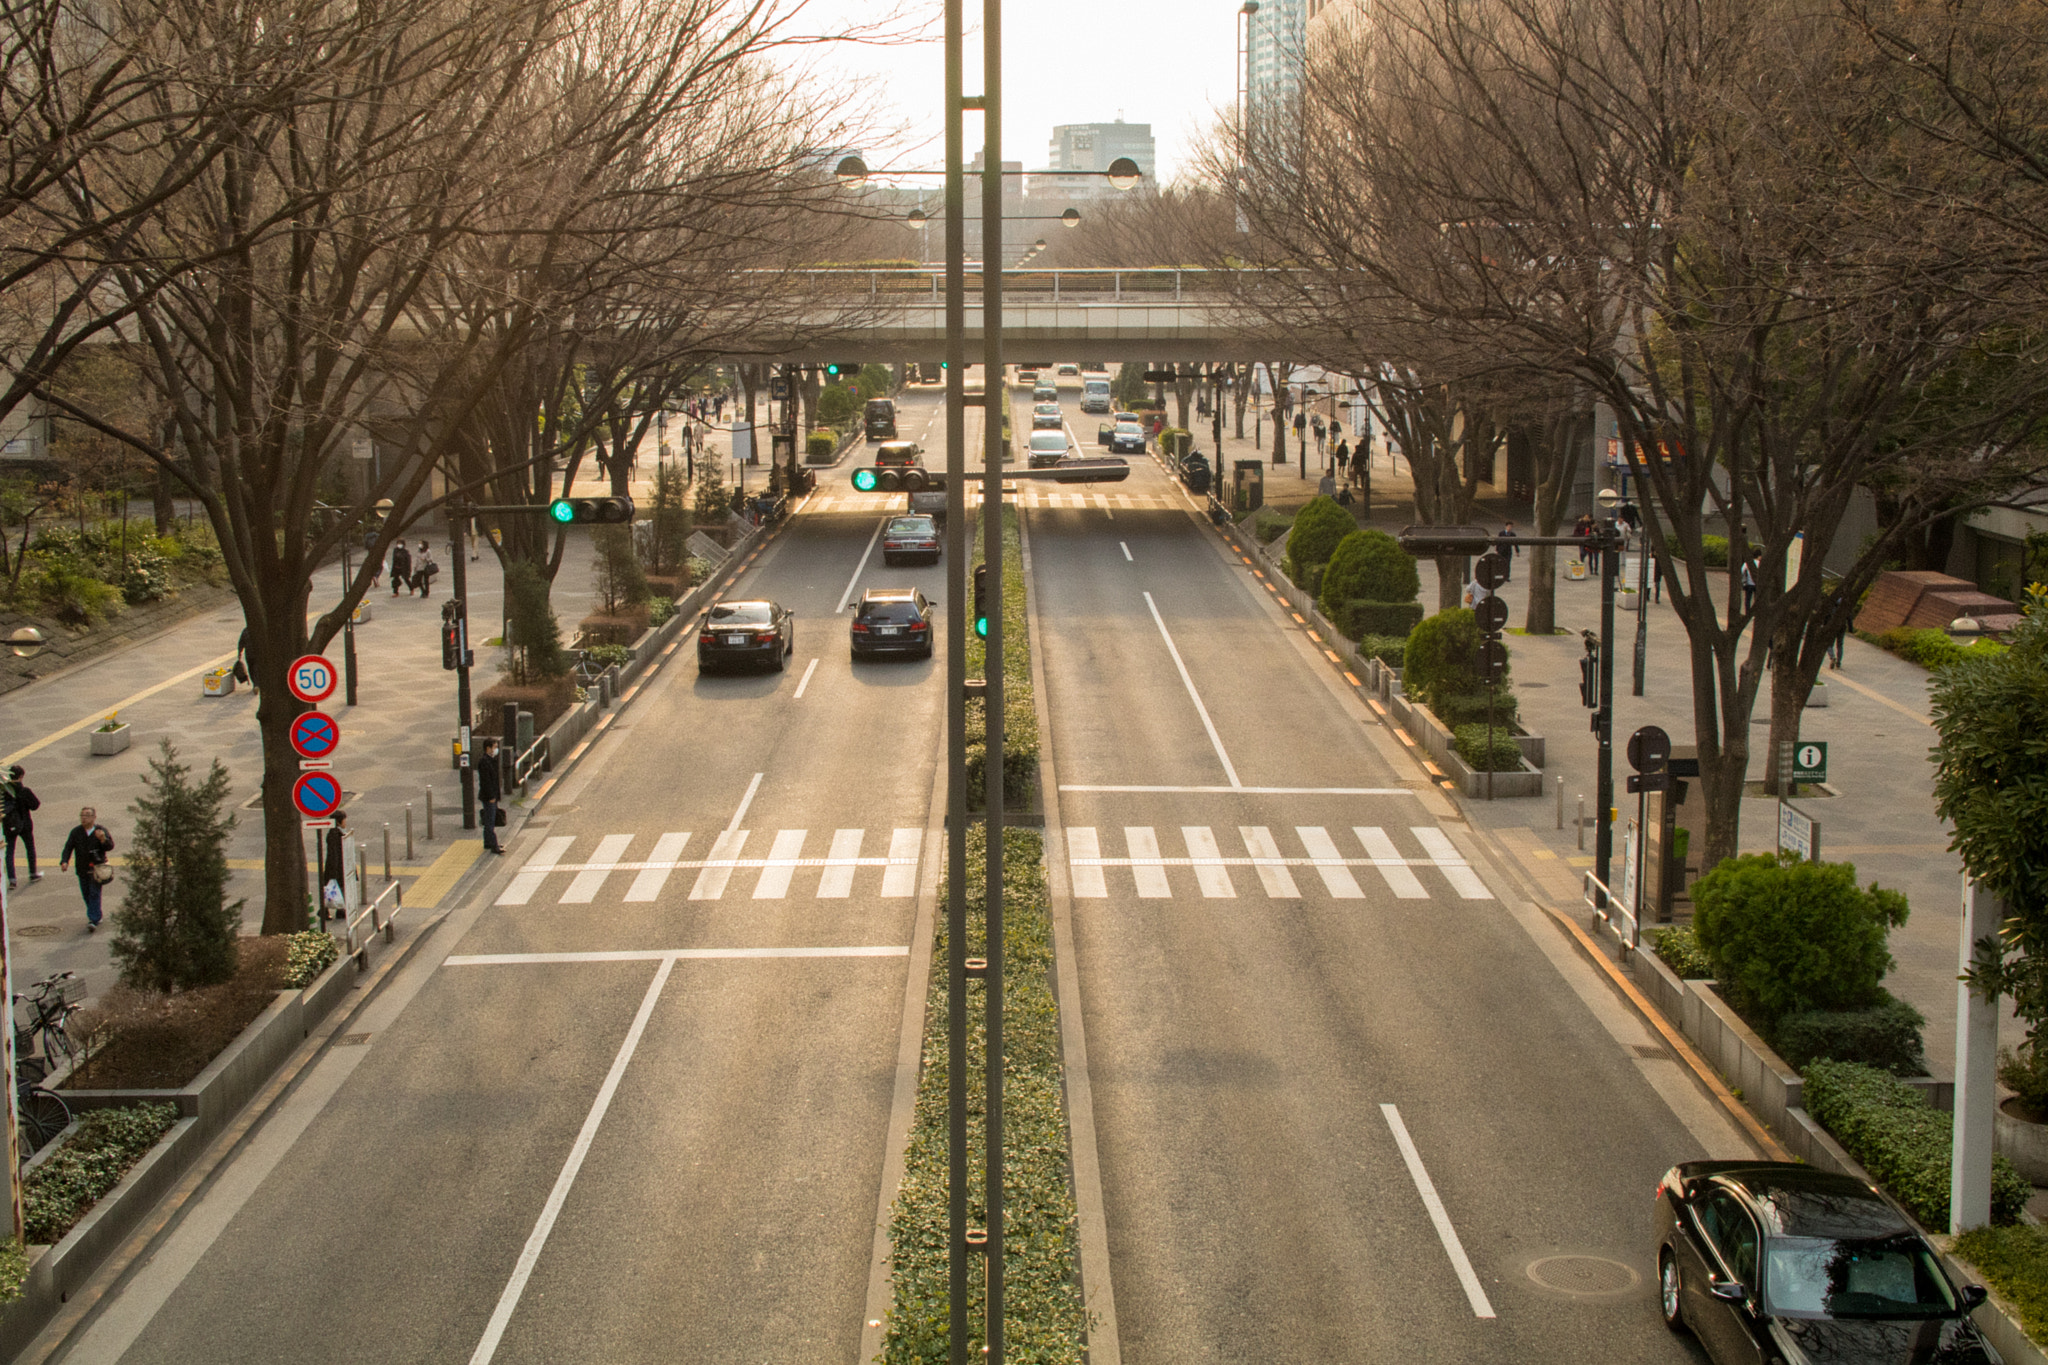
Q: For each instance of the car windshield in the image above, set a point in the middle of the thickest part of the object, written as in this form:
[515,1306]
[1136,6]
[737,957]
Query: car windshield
[1128,429]
[1820,1277]
[1048,440]
[897,612]
[741,614]
[912,527]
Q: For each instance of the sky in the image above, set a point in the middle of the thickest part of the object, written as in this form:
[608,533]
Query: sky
[1169,63]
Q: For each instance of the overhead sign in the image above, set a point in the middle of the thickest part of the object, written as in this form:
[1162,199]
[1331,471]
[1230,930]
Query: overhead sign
[1798,832]
[1810,761]
[311,679]
[317,795]
[315,735]
[1649,749]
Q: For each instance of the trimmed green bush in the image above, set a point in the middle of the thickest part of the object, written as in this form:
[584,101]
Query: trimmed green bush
[1388,620]
[820,445]
[1269,525]
[1714,549]
[1020,716]
[2025,1072]
[1934,649]
[1469,708]
[1318,529]
[1680,951]
[2013,1261]
[659,609]
[1044,1317]
[13,1270]
[1787,936]
[307,954]
[1504,756]
[1370,566]
[1886,1036]
[1903,1142]
[1442,659]
[1391,650]
[56,1194]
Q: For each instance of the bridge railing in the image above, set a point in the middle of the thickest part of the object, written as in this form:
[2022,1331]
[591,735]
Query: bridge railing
[928,283]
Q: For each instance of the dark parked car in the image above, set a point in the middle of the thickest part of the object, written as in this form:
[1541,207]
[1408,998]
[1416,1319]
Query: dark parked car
[1774,1261]
[892,621]
[756,632]
[1125,438]
[910,537]
[880,419]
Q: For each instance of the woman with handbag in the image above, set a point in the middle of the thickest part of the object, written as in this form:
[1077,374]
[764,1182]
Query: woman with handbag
[89,843]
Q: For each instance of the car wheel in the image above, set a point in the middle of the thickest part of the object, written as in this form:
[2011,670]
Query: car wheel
[781,661]
[1670,1291]
[927,652]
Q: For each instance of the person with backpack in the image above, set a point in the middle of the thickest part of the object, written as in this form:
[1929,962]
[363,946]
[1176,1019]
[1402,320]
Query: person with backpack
[18,807]
[401,569]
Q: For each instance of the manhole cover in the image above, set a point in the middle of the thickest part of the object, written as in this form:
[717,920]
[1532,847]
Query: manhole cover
[1583,1275]
[39,931]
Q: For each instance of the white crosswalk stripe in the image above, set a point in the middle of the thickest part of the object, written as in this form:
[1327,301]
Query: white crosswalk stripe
[1150,869]
[783,872]
[877,504]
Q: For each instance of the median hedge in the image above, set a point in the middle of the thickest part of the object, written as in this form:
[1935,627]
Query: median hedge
[1043,1314]
[2013,1261]
[60,1191]
[1020,714]
[1903,1141]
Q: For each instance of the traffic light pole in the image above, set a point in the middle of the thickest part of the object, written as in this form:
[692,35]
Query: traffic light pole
[958,1265]
[458,585]
[992,540]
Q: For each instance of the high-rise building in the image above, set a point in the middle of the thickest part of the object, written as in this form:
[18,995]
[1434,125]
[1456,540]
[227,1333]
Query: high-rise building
[1277,59]
[1079,152]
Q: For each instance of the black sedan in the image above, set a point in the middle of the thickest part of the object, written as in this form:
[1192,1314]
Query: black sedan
[905,537]
[756,632]
[892,621]
[1778,1262]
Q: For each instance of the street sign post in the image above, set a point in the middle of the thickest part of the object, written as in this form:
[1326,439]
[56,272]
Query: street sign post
[1810,761]
[315,736]
[317,795]
[311,679]
[1798,832]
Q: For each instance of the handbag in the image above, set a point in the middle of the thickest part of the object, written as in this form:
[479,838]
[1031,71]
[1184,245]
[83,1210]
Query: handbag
[501,816]
[241,671]
[102,873]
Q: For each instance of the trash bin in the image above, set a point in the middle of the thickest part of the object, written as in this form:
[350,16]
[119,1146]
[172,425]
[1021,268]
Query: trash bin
[1247,486]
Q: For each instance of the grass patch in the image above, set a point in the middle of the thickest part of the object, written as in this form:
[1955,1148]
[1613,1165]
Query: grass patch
[63,1189]
[2013,1261]
[1020,713]
[142,1040]
[1044,1318]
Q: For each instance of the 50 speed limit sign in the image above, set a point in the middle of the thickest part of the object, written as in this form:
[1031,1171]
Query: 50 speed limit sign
[311,679]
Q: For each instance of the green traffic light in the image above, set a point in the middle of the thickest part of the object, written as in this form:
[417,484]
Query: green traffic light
[562,510]
[864,480]
[981,626]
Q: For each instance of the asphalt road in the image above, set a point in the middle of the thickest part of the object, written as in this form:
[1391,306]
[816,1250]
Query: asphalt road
[1354,1100]
[1264,1037]
[728,1113]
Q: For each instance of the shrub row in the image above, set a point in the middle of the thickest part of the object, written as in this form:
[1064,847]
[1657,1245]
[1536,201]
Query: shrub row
[1043,1313]
[1904,1142]
[1884,1036]
[1679,949]
[56,1194]
[1931,649]
[1502,756]
[307,954]
[1020,715]
[1391,650]
[2013,1261]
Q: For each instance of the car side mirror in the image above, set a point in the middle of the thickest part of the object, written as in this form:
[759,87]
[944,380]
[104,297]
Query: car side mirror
[1973,1296]
[1729,1291]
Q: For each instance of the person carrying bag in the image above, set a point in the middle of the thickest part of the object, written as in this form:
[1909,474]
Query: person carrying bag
[90,843]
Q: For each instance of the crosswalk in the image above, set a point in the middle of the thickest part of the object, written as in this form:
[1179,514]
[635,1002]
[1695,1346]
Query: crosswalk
[1277,873]
[725,866]
[1025,496]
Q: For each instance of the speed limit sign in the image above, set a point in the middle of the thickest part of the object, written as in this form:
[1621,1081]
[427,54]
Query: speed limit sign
[311,679]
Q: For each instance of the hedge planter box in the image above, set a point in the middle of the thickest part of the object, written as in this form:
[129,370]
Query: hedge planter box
[2024,1142]
[106,743]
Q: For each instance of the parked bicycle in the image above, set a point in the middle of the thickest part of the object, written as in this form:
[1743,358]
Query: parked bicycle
[40,1115]
[51,1002]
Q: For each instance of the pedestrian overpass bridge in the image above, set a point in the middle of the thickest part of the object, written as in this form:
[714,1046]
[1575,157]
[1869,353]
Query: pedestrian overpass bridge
[1160,315]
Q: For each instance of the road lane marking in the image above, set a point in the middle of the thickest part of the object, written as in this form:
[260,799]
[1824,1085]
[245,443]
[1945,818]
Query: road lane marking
[861,567]
[1272,868]
[1210,873]
[837,883]
[1127,552]
[1084,853]
[1403,883]
[1322,851]
[584,889]
[520,889]
[1446,856]
[529,1255]
[806,680]
[1243,791]
[745,801]
[673,955]
[647,886]
[1207,724]
[1145,863]
[774,883]
[1445,1233]
[717,871]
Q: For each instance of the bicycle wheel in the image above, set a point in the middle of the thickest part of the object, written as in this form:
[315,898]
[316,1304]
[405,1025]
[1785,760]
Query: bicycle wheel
[42,1117]
[57,1043]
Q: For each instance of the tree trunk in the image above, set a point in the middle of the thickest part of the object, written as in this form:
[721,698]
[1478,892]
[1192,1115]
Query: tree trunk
[1450,581]
[1241,392]
[269,659]
[1542,614]
[1279,415]
[165,504]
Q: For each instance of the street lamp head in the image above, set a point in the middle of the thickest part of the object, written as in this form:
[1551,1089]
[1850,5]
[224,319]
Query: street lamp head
[1123,173]
[1039,243]
[26,642]
[1608,499]
[1251,7]
[851,171]
[916,219]
[1071,218]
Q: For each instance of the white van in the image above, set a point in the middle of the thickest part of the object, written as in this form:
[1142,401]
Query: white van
[1095,395]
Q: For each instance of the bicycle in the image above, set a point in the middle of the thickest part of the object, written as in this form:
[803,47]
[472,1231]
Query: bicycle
[51,1002]
[39,1114]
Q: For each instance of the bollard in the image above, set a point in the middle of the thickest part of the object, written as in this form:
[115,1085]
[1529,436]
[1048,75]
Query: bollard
[387,850]
[408,830]
[1560,802]
[430,813]
[1582,822]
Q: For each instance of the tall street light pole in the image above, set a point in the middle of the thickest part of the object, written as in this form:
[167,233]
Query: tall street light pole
[956,694]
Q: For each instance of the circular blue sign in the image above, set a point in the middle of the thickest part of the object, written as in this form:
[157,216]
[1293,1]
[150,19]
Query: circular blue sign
[317,795]
[315,735]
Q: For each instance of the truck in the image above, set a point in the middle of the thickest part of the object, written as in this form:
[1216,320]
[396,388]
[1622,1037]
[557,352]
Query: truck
[1095,395]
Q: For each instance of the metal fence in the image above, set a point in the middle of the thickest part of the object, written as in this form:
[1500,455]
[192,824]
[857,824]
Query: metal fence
[1608,909]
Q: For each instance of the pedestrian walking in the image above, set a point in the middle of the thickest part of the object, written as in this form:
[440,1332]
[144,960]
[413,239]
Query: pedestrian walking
[1582,531]
[1748,585]
[1504,546]
[401,569]
[89,843]
[1834,663]
[489,791]
[1327,485]
[18,807]
[334,868]
[423,575]
[1340,458]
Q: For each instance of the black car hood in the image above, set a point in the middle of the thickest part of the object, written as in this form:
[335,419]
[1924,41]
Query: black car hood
[1925,1341]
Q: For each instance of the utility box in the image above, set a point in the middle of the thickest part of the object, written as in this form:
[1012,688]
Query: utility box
[219,682]
[1247,486]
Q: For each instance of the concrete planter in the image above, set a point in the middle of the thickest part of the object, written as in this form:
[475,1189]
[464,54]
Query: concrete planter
[106,743]
[2024,1142]
[1819,695]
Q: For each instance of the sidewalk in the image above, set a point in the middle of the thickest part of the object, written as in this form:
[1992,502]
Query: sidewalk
[395,745]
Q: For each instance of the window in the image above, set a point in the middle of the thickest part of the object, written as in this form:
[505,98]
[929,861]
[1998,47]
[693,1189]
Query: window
[1734,1235]
[1817,1277]
[741,614]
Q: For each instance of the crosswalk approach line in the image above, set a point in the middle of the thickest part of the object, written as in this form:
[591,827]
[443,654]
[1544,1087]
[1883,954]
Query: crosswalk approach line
[723,869]
[1152,870]
[1277,880]
[712,878]
[1447,857]
[1337,878]
[1151,876]
[648,884]
[782,854]
[837,882]
[1085,875]
[1213,880]
[584,889]
[528,879]
[1404,884]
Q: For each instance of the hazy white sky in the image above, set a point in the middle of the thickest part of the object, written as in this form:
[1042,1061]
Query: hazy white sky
[1169,63]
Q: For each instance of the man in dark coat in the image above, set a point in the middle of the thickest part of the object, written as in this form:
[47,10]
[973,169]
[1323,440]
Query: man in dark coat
[90,843]
[488,792]
[334,862]
[18,807]
[401,569]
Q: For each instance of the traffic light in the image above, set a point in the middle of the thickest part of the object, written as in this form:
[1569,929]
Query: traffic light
[866,480]
[897,479]
[590,511]
[981,600]
[455,651]
[1589,673]
[840,369]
